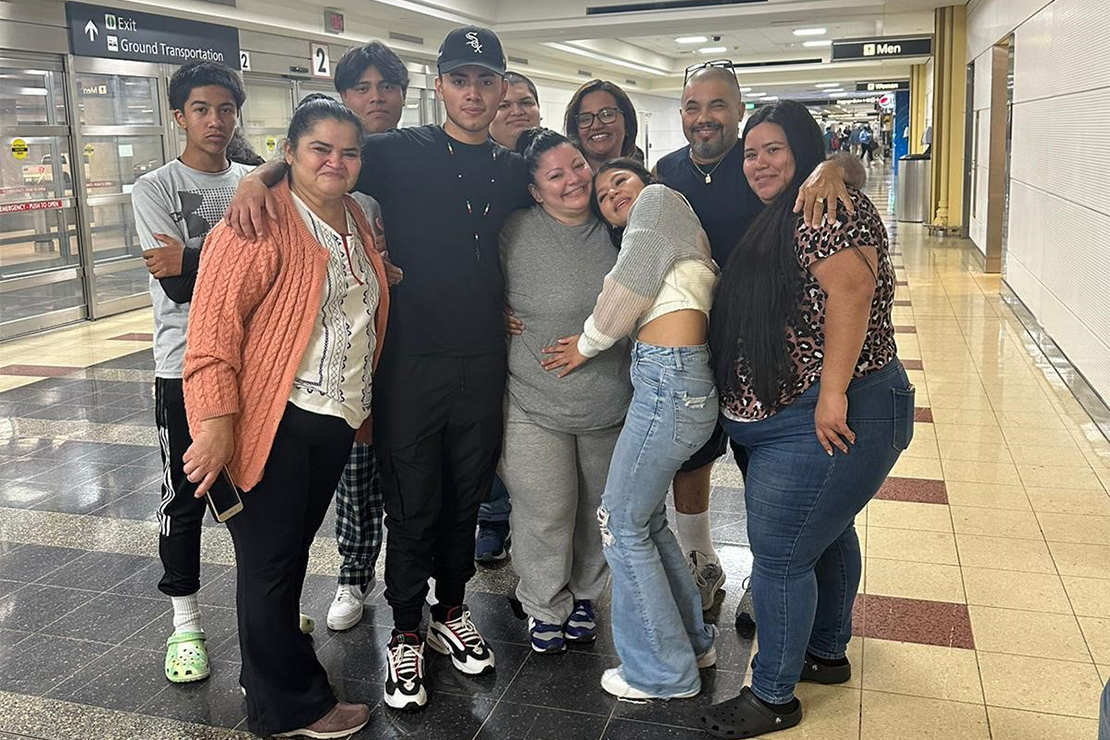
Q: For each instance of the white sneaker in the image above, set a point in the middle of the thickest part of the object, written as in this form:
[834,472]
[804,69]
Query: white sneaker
[613,682]
[460,639]
[708,575]
[346,611]
[404,679]
[708,659]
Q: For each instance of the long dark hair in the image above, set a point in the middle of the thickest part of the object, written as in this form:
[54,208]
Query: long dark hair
[634,166]
[758,294]
[624,103]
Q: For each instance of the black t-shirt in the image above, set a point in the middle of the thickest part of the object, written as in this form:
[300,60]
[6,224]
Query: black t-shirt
[451,299]
[726,206]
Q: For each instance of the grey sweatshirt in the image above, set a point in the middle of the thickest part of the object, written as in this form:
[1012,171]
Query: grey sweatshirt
[183,203]
[553,274]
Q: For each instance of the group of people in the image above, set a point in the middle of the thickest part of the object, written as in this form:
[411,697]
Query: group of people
[398,317]
[858,139]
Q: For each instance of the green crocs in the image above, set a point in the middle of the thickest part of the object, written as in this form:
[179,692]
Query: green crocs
[186,657]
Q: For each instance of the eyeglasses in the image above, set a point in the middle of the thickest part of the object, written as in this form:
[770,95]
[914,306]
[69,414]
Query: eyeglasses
[719,63]
[605,115]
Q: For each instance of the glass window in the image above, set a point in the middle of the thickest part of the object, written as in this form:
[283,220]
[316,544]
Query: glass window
[43,171]
[25,97]
[25,303]
[268,106]
[113,163]
[122,284]
[410,116]
[33,241]
[117,100]
[112,228]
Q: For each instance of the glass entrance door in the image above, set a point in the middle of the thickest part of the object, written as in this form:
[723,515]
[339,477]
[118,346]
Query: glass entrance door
[123,132]
[41,278]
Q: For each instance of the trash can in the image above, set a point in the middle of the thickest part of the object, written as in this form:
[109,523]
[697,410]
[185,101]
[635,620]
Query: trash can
[911,194]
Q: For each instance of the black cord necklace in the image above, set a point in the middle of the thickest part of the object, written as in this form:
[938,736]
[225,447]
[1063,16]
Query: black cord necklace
[481,213]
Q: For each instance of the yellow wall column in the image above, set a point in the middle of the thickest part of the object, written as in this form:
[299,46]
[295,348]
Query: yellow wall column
[949,90]
[917,108]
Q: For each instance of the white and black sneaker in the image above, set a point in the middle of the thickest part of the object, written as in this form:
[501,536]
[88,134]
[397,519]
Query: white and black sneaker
[404,679]
[457,636]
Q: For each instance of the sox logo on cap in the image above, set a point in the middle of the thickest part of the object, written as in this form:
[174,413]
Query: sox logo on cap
[472,39]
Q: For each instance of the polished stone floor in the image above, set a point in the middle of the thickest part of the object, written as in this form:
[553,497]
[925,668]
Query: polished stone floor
[984,610]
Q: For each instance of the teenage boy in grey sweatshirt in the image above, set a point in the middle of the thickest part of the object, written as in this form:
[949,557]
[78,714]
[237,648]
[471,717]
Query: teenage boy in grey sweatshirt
[175,206]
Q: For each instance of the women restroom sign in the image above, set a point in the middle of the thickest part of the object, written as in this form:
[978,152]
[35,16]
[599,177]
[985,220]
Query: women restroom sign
[98,31]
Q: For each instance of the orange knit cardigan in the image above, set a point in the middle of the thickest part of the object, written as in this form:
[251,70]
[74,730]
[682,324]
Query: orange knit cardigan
[251,317]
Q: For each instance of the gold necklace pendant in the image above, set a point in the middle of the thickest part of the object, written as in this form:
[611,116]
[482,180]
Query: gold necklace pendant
[708,179]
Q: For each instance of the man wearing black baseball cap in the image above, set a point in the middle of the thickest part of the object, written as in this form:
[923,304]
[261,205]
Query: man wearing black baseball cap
[445,192]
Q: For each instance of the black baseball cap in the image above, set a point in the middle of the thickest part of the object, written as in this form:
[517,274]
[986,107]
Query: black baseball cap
[471,45]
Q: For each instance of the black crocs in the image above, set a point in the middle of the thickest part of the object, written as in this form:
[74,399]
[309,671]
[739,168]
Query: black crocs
[815,672]
[745,716]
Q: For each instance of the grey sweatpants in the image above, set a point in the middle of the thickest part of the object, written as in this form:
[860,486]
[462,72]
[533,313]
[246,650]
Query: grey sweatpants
[556,480]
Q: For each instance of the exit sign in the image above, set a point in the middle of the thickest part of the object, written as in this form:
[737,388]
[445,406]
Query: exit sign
[333,21]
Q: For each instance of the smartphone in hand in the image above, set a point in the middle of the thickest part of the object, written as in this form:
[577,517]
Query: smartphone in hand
[223,497]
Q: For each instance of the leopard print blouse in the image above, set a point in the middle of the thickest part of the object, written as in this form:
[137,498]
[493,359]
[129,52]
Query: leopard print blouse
[805,335]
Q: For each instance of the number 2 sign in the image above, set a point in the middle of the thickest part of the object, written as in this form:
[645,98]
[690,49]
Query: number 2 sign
[321,63]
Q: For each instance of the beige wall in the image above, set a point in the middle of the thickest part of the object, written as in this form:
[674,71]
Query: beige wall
[1058,251]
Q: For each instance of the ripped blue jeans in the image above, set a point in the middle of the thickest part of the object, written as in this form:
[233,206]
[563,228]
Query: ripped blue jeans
[656,614]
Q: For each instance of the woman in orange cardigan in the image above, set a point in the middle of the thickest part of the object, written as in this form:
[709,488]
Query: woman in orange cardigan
[283,336]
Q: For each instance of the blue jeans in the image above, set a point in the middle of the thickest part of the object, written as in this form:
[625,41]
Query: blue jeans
[497,506]
[1104,714]
[656,613]
[801,506]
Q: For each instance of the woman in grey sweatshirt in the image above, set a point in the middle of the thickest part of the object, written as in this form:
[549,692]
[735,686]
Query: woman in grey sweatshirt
[559,432]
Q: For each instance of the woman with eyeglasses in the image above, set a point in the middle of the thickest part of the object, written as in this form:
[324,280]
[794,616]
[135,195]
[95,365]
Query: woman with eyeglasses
[601,121]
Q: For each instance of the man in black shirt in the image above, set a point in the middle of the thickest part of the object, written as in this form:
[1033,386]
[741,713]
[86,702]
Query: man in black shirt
[710,173]
[438,391]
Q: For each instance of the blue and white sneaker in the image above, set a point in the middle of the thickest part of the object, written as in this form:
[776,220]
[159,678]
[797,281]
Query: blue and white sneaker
[581,626]
[492,542]
[546,637]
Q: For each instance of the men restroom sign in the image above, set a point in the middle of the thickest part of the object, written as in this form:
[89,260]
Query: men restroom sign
[883,47]
[98,31]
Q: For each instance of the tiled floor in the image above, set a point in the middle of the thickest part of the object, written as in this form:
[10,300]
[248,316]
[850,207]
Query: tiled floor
[985,606]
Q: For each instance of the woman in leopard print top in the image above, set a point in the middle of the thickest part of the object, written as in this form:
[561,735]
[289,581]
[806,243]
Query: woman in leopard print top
[812,389]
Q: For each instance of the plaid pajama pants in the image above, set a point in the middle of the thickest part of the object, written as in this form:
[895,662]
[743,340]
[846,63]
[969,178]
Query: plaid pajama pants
[358,517]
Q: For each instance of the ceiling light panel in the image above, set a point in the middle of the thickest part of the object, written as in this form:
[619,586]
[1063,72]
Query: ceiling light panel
[809,32]
[713,50]
[827,84]
[691,39]
[819,42]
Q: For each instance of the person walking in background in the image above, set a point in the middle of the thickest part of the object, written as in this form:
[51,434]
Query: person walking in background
[559,432]
[811,386]
[284,336]
[709,173]
[371,81]
[661,288]
[175,206]
[601,120]
[518,112]
[866,145]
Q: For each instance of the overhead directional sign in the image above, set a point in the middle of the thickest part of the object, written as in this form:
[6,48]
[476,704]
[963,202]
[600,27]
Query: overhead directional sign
[98,31]
[882,85]
[882,47]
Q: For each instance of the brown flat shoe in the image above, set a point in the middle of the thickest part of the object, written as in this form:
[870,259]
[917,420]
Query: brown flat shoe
[341,721]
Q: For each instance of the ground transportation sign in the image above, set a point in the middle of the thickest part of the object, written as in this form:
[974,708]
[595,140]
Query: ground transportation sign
[99,31]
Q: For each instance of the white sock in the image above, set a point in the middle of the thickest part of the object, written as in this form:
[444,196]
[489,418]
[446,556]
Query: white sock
[693,534]
[186,614]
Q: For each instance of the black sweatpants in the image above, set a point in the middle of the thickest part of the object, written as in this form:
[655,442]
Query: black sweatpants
[287,688]
[180,514]
[438,423]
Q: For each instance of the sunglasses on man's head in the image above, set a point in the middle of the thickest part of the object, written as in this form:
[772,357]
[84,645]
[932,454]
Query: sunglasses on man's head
[719,63]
